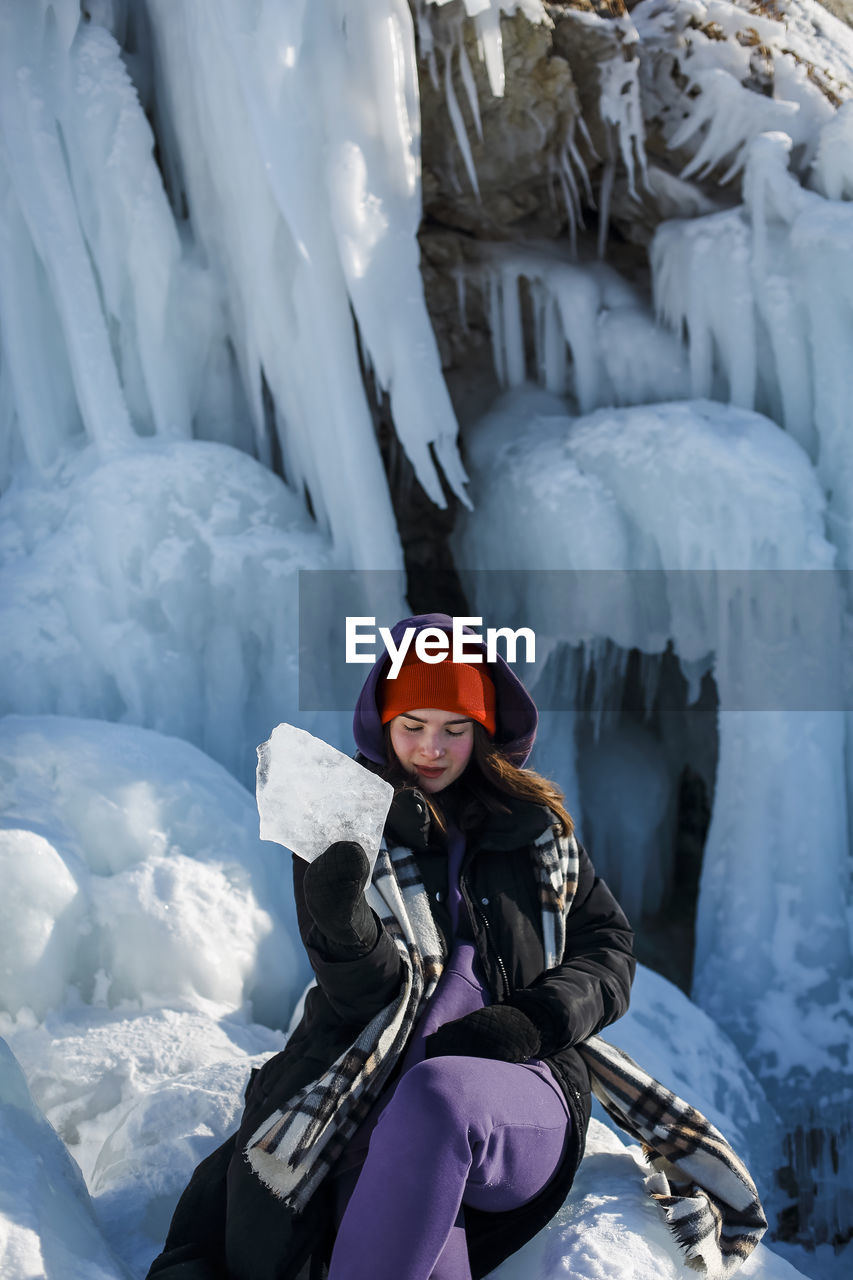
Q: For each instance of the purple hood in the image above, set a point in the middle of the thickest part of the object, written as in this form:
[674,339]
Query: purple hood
[516,714]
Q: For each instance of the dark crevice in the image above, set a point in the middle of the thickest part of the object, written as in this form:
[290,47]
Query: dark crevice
[433,585]
[276,458]
[687,736]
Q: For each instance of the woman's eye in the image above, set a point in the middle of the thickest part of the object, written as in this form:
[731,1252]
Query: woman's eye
[455,733]
[412,728]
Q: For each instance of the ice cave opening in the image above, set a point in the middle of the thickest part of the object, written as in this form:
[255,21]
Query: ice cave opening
[647,761]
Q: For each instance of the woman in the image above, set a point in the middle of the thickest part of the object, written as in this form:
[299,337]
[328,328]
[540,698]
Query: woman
[428,1114]
[487,1110]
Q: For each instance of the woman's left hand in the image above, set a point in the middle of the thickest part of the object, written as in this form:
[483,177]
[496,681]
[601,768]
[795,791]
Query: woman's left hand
[499,1031]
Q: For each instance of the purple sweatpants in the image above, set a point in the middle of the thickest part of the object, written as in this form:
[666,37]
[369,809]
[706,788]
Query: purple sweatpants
[457,1131]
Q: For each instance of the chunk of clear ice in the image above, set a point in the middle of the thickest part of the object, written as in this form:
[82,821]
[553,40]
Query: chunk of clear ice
[310,795]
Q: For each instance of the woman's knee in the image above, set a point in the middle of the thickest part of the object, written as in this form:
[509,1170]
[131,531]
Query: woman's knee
[437,1090]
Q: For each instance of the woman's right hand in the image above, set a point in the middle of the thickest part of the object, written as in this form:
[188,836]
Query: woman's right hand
[334,887]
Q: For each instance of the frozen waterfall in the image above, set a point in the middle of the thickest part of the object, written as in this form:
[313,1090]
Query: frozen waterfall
[288,288]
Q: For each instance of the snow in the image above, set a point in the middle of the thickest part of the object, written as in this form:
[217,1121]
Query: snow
[165,579]
[157,934]
[609,1228]
[139,1058]
[801,67]
[47,1225]
[139,1098]
[682,1046]
[138,876]
[185,427]
[310,796]
[140,1094]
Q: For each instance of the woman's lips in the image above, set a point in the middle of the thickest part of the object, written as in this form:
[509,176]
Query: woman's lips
[430,773]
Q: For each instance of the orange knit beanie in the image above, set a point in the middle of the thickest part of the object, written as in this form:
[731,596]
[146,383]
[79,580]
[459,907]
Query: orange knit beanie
[444,686]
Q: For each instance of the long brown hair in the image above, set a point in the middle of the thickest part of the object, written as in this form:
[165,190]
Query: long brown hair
[488,778]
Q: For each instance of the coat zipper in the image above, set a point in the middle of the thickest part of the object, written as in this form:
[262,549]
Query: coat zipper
[498,956]
[463,889]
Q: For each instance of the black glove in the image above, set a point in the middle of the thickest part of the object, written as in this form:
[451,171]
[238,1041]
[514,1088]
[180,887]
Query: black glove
[334,894]
[548,1020]
[499,1031]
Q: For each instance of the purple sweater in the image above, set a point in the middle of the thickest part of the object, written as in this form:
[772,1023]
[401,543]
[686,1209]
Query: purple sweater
[461,989]
[462,985]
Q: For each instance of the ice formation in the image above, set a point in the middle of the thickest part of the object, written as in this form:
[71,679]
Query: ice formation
[138,340]
[312,163]
[486,18]
[444,41]
[310,795]
[762,294]
[594,335]
[159,587]
[749,68]
[156,333]
[628,759]
[736,493]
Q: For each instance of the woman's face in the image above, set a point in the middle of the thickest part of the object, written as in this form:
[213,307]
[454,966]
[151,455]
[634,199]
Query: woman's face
[433,745]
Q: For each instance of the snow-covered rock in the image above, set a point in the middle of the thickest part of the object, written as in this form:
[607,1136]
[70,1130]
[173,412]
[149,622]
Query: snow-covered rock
[138,876]
[47,1224]
[609,1228]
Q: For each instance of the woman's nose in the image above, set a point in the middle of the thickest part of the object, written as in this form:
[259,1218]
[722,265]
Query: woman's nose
[432,747]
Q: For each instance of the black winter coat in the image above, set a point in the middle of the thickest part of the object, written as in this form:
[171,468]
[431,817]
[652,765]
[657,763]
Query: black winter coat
[228,1226]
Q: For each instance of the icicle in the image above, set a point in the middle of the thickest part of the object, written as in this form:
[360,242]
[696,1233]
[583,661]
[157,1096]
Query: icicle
[456,119]
[490,43]
[589,310]
[607,175]
[467,77]
[571,198]
[513,333]
[539,302]
[621,108]
[741,282]
[553,349]
[731,116]
[496,328]
[578,298]
[459,281]
[699,332]
[832,167]
[44,408]
[486,16]
[34,158]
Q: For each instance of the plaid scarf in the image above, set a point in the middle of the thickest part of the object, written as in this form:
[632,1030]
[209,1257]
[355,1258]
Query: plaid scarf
[703,1188]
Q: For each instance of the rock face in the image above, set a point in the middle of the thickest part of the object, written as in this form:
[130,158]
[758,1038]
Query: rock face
[607,125]
[513,139]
